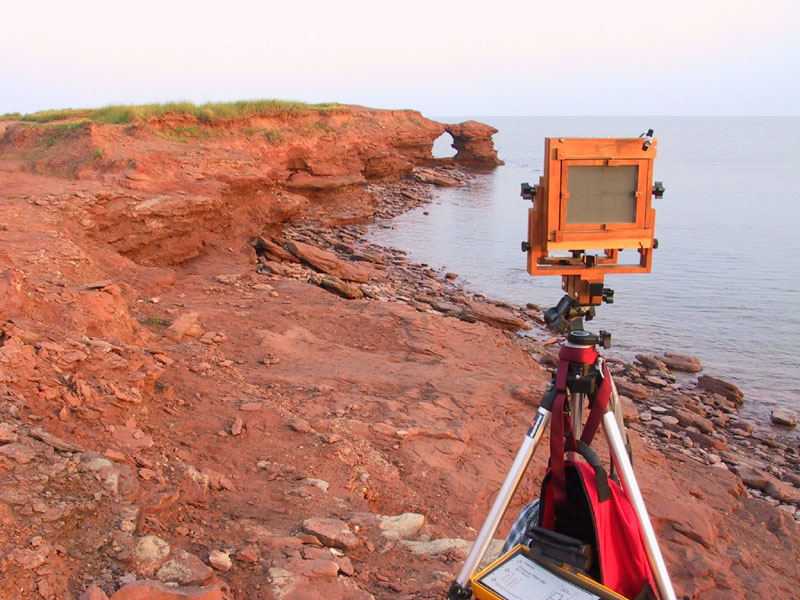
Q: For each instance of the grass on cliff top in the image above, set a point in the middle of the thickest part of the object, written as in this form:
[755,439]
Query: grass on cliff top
[205,113]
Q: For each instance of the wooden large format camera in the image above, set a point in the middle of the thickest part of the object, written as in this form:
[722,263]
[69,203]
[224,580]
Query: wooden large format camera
[592,203]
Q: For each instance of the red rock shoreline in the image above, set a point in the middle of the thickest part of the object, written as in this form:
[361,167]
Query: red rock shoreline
[696,417]
[184,400]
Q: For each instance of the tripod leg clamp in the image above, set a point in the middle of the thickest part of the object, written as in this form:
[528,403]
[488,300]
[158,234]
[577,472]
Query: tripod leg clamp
[457,592]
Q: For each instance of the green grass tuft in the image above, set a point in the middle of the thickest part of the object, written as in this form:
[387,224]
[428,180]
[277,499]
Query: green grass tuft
[274,137]
[45,116]
[182,134]
[323,126]
[205,113]
[59,130]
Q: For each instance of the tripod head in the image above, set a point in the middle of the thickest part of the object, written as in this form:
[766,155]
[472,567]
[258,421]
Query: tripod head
[567,317]
[578,303]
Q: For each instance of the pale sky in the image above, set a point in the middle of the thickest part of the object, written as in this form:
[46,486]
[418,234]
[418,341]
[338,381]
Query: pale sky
[571,57]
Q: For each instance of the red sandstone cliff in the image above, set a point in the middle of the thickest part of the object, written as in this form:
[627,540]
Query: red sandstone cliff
[171,185]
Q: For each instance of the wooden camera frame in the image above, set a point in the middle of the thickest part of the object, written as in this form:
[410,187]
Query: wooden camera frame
[610,211]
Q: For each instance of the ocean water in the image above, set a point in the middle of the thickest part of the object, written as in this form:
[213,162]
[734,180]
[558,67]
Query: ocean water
[725,283]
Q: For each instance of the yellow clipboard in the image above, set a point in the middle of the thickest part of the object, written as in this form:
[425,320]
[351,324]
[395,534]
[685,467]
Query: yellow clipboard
[517,576]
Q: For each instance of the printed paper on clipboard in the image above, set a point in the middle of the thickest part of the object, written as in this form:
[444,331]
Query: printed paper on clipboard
[521,579]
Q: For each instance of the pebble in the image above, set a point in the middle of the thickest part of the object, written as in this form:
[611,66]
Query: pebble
[219,560]
[331,532]
[149,553]
[19,453]
[300,425]
[184,568]
[249,554]
[147,474]
[319,483]
[7,434]
[401,527]
[782,416]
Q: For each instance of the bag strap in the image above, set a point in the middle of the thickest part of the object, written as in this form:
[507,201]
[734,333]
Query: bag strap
[561,424]
[598,403]
[600,475]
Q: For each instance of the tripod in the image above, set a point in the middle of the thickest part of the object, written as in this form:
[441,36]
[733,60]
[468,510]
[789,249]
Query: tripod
[580,371]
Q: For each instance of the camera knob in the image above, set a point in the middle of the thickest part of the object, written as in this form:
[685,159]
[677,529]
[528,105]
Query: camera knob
[527,191]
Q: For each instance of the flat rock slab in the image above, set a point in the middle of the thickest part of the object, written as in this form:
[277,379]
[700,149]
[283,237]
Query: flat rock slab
[19,453]
[723,388]
[651,362]
[220,560]
[435,178]
[93,593]
[294,586]
[447,308]
[401,527]
[706,441]
[331,532]
[53,441]
[307,181]
[630,389]
[782,416]
[337,286]
[783,491]
[149,554]
[688,418]
[155,590]
[274,251]
[183,325]
[329,263]
[492,315]
[184,568]
[97,285]
[444,545]
[682,362]
[7,434]
[630,414]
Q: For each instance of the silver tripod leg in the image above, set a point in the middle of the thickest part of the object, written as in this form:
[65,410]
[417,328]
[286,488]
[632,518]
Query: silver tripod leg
[617,445]
[501,503]
[576,414]
[617,407]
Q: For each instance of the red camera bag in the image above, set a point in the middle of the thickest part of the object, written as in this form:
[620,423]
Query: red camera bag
[579,500]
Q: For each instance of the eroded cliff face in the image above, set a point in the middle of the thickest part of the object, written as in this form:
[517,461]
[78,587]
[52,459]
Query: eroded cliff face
[172,185]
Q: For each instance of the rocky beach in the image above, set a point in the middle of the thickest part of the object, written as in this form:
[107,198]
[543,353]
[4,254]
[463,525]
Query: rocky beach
[212,385]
